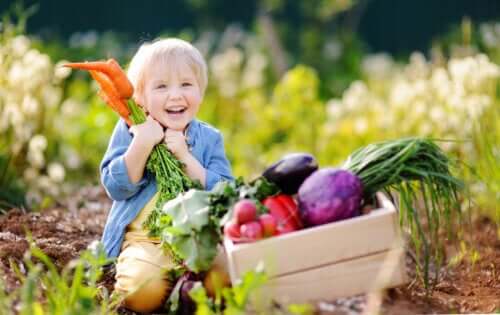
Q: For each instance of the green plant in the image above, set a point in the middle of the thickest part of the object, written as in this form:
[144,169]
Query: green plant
[46,290]
[245,297]
[12,193]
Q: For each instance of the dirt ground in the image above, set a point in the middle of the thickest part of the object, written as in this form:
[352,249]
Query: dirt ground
[66,229]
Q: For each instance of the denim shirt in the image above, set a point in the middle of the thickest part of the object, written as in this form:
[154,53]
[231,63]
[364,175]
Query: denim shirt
[206,145]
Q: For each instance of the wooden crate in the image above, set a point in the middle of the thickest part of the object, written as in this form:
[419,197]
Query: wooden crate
[334,260]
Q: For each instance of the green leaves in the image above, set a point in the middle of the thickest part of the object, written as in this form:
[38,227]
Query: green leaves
[189,211]
[237,299]
[190,233]
[190,225]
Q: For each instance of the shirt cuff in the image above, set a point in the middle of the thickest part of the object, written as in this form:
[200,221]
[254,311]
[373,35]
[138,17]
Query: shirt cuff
[211,179]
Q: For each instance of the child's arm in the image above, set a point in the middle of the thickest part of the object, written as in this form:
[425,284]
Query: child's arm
[146,136]
[113,168]
[176,143]
[217,167]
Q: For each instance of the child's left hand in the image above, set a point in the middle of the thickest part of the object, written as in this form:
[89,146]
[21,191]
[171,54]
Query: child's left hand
[176,143]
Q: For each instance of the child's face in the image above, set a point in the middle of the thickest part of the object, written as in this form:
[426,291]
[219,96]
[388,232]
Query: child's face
[172,95]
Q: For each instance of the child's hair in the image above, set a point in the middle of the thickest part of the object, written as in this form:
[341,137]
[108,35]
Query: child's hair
[166,52]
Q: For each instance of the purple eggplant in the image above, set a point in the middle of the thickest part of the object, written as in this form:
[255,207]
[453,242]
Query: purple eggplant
[290,171]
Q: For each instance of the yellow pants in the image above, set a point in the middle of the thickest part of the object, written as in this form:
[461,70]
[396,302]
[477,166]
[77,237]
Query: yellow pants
[141,276]
[142,264]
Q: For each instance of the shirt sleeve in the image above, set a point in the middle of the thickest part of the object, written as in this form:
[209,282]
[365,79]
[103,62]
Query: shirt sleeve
[218,168]
[114,174]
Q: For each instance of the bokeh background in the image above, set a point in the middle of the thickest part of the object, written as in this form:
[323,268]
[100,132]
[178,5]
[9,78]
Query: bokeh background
[321,76]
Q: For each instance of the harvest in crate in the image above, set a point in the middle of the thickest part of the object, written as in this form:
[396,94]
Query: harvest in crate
[292,194]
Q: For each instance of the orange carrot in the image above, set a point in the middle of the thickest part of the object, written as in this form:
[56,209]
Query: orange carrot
[114,106]
[110,95]
[113,70]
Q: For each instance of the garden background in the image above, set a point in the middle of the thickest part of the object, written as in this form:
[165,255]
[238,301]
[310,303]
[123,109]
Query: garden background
[320,76]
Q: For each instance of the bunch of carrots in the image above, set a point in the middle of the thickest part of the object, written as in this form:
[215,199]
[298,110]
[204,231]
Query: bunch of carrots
[116,90]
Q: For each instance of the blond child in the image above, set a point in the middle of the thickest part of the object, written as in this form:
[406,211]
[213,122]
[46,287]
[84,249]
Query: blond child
[169,78]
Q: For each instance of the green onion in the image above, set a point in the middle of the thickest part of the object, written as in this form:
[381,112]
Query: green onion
[418,170]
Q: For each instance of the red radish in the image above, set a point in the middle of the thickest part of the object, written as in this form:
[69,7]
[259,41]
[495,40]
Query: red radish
[245,211]
[251,231]
[268,223]
[232,230]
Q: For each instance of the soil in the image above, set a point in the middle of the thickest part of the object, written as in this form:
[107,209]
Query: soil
[472,285]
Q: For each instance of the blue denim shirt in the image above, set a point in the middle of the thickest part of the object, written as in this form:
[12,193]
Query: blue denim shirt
[206,145]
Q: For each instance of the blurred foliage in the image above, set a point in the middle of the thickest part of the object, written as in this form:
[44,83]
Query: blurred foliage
[333,98]
[47,123]
[46,290]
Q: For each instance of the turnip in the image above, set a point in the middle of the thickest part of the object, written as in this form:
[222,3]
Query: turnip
[251,231]
[245,211]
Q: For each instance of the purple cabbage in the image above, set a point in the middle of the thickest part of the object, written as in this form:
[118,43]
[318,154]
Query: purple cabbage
[329,195]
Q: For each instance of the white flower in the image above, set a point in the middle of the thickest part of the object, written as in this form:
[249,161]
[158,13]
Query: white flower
[38,143]
[16,75]
[401,94]
[51,96]
[30,105]
[60,72]
[355,95]
[70,108]
[377,66]
[44,182]
[56,172]
[30,174]
[20,45]
[437,114]
[334,108]
[360,125]
[36,159]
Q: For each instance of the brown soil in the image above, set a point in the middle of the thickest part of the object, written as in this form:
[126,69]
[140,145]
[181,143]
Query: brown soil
[66,229]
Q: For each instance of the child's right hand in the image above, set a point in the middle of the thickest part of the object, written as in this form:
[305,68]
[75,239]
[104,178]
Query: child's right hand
[149,133]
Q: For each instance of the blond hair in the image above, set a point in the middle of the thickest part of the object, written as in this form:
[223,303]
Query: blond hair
[166,52]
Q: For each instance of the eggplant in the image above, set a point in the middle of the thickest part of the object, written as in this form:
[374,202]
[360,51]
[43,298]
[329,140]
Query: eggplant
[290,171]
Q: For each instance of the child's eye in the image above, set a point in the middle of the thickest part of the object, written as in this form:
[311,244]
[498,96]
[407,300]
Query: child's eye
[161,86]
[186,84]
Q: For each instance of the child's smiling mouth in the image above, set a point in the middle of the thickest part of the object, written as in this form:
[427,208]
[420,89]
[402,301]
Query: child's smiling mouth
[176,110]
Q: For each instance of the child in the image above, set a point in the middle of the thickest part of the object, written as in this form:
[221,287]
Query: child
[169,78]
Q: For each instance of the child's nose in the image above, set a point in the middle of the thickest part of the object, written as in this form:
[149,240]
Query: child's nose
[174,92]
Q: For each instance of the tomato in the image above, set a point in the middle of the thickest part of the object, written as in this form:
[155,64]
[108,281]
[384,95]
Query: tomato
[284,209]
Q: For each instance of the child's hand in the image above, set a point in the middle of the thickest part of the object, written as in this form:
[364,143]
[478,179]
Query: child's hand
[149,133]
[176,143]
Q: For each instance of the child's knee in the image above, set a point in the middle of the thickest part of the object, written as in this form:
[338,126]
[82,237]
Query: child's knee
[146,297]
[143,283]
